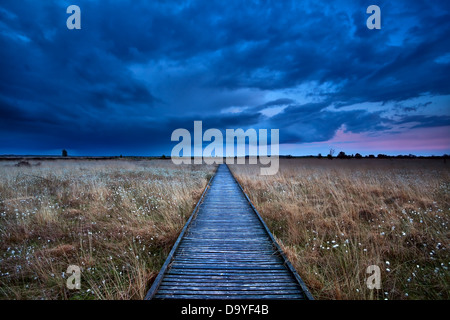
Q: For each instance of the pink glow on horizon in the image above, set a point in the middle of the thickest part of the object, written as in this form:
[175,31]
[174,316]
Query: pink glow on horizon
[417,141]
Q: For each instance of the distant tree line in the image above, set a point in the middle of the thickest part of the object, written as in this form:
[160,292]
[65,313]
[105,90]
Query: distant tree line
[343,155]
[330,155]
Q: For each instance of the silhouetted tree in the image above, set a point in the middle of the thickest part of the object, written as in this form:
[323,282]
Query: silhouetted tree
[358,156]
[319,156]
[341,155]
[64,153]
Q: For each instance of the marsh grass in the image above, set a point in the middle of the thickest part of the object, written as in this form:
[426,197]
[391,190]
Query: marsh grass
[335,218]
[115,219]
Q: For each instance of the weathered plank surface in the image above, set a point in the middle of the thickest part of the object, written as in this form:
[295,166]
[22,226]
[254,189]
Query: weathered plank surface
[226,252]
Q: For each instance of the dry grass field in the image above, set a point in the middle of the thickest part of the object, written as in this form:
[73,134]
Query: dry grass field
[335,218]
[116,219]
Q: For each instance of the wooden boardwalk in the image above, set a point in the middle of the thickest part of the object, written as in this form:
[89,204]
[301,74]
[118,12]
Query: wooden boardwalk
[225,251]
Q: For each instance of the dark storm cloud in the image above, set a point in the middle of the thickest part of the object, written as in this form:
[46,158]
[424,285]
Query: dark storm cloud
[137,70]
[313,122]
[426,121]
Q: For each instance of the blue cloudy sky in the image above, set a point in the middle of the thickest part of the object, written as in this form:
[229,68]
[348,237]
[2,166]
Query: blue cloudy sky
[137,70]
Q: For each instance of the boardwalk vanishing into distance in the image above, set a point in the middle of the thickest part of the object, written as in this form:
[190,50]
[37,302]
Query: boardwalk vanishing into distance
[225,251]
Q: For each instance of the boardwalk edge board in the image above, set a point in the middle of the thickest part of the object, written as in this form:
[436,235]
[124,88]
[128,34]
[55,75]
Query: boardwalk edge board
[288,264]
[154,288]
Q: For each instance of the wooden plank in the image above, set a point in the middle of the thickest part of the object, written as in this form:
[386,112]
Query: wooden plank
[226,259]
[201,280]
[195,279]
[231,297]
[228,286]
[227,267]
[229,292]
[229,272]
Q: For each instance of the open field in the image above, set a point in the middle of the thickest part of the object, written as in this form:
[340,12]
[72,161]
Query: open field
[116,219]
[336,218]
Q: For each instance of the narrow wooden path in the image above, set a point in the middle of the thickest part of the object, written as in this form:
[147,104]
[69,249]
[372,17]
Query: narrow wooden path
[225,251]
